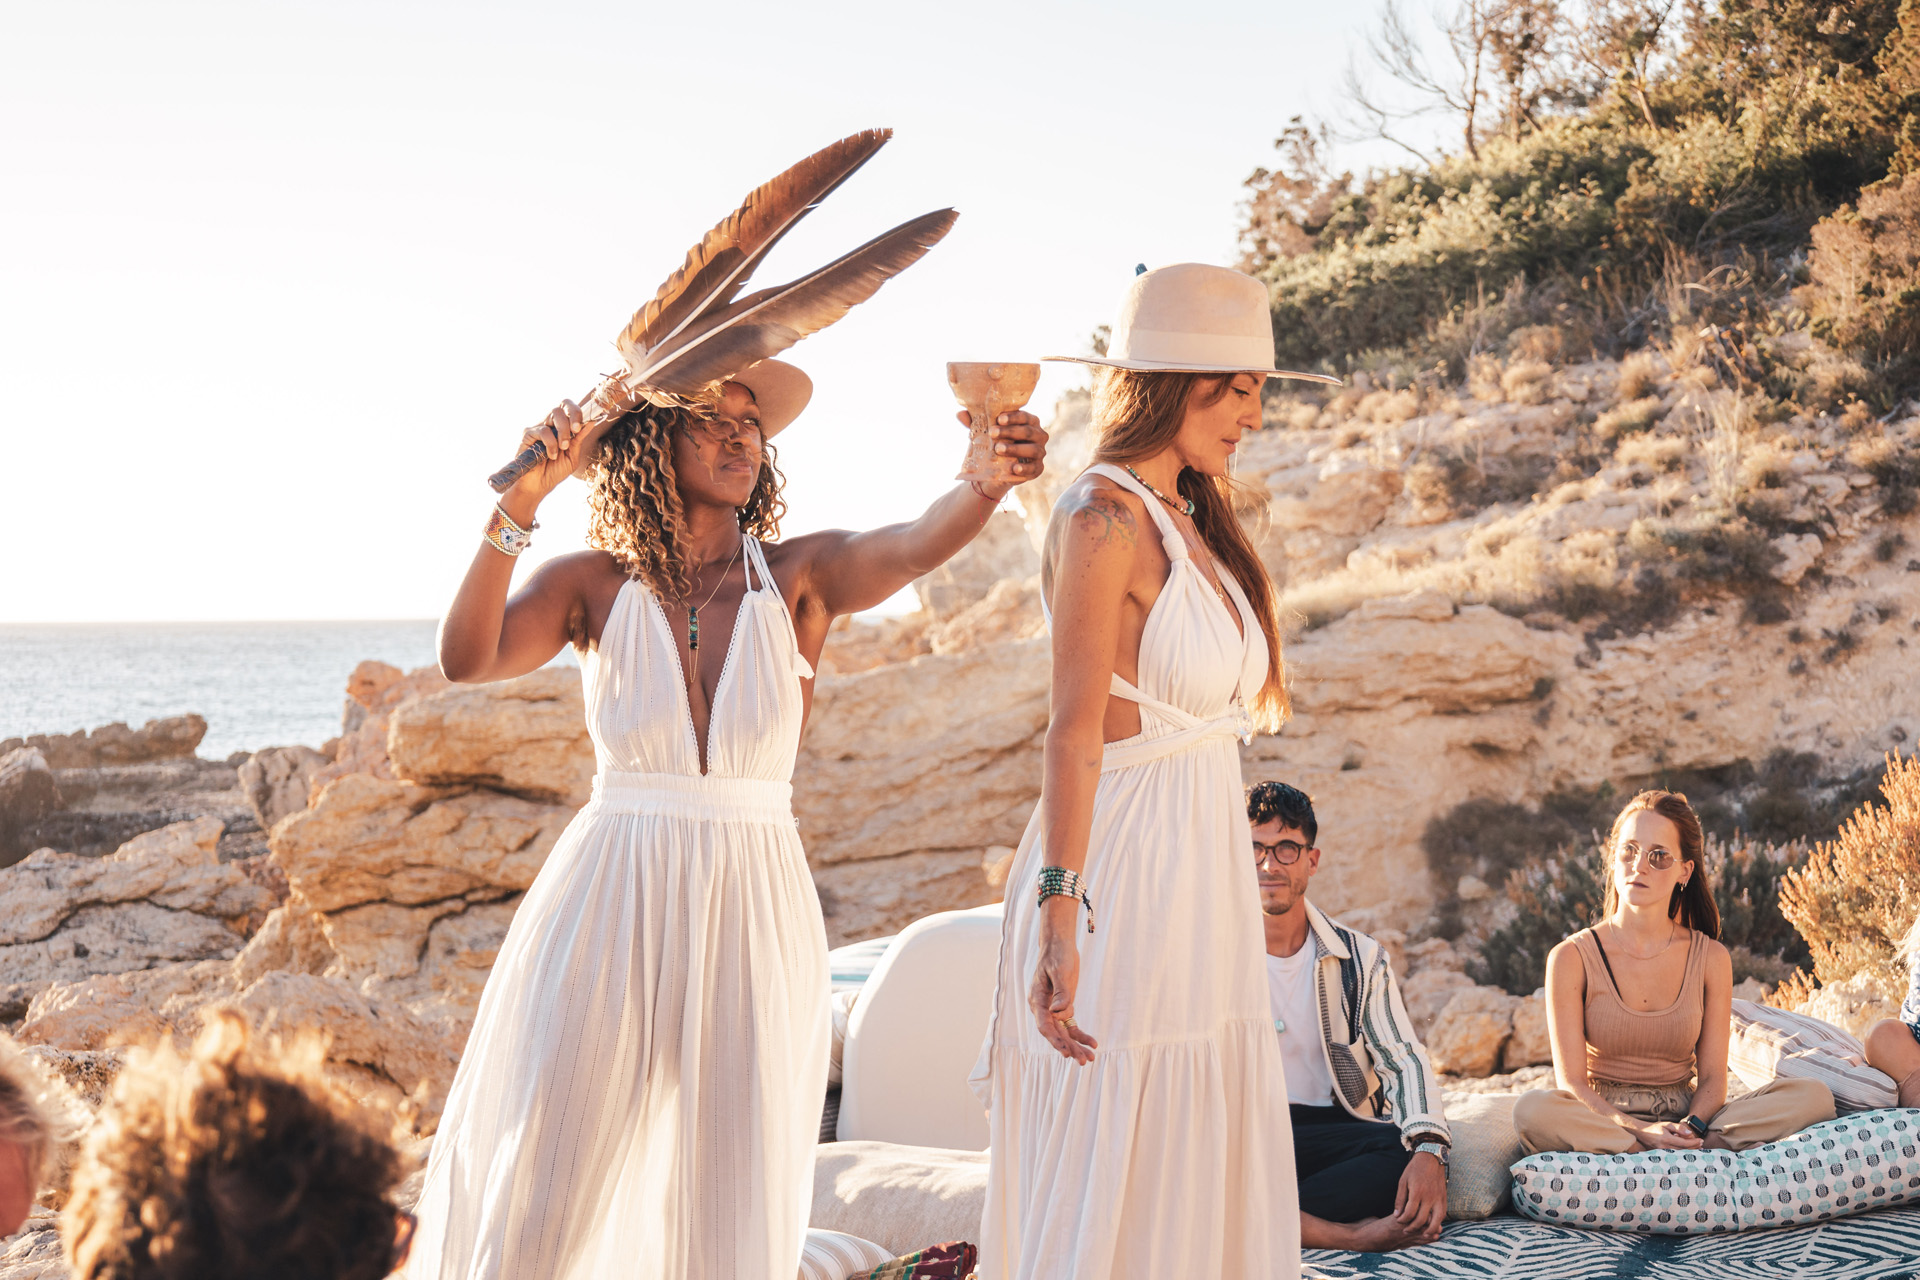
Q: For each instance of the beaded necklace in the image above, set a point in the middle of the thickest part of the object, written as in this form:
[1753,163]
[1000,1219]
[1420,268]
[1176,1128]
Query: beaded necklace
[1183,505]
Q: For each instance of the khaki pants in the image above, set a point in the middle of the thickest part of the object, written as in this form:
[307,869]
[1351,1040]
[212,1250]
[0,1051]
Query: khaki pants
[1555,1120]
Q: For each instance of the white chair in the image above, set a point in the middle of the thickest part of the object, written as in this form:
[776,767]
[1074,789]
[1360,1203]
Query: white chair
[916,1031]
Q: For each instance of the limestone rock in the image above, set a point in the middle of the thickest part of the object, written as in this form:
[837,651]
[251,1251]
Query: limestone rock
[108,1010]
[1529,1044]
[162,896]
[112,744]
[1798,553]
[293,938]
[380,1036]
[27,794]
[1002,550]
[1854,1005]
[373,691]
[942,752]
[879,896]
[1434,953]
[526,736]
[34,1252]
[1373,659]
[277,781]
[1011,611]
[1471,1031]
[1348,498]
[1428,992]
[367,839]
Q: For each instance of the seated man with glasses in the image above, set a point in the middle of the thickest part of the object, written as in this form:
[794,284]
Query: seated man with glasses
[1369,1141]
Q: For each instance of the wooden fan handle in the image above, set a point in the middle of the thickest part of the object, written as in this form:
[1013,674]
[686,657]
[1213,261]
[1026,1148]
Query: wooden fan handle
[529,458]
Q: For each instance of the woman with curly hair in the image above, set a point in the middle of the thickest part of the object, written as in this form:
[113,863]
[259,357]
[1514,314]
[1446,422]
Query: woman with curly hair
[235,1161]
[642,1089]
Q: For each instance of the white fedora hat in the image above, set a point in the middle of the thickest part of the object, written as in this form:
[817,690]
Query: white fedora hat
[780,391]
[1193,318]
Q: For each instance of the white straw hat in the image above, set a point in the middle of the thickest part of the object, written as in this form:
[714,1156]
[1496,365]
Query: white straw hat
[1193,318]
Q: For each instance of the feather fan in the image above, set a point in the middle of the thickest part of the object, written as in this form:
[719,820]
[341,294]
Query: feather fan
[693,335]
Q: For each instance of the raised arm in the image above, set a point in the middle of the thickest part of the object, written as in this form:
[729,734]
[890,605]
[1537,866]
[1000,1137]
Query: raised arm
[848,572]
[486,636]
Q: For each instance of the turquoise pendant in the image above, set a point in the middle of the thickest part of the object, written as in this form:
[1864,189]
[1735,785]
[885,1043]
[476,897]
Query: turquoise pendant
[693,628]
[1280,1025]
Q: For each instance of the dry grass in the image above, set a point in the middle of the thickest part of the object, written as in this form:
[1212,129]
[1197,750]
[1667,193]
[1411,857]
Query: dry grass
[1639,376]
[1631,418]
[1856,898]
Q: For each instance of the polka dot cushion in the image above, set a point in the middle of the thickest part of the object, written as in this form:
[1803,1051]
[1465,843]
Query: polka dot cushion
[1866,1160]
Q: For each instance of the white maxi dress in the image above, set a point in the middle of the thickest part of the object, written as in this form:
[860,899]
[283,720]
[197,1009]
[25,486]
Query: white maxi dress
[641,1094]
[1170,1155]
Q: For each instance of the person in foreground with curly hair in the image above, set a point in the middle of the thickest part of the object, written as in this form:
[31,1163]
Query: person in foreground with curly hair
[641,1092]
[236,1161]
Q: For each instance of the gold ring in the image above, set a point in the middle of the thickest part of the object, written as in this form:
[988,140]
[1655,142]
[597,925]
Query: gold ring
[1068,1022]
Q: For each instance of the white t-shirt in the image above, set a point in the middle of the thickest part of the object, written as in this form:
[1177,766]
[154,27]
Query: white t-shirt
[1296,1016]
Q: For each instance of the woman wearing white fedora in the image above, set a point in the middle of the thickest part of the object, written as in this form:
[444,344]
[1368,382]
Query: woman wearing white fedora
[1138,1107]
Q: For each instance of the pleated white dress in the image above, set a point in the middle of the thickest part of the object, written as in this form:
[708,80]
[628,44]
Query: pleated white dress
[641,1093]
[1170,1154]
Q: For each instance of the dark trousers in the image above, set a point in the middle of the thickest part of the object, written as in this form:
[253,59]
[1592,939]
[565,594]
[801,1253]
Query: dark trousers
[1348,1169]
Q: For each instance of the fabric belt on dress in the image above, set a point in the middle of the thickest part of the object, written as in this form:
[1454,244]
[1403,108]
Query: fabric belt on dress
[700,796]
[1189,730]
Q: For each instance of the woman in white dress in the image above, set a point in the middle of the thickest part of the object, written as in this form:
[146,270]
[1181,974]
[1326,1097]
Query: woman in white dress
[1138,1110]
[641,1092]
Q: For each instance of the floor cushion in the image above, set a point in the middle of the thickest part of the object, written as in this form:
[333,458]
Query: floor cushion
[834,1255]
[901,1198]
[1485,1145]
[1767,1043]
[1867,1160]
[913,1035]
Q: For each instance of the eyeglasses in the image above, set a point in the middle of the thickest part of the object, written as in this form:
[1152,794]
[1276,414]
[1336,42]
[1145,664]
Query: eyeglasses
[1285,854]
[1657,858]
[723,431]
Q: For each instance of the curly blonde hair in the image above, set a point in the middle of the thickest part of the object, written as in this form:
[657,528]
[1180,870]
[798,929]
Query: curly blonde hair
[634,510]
[239,1159]
[29,1116]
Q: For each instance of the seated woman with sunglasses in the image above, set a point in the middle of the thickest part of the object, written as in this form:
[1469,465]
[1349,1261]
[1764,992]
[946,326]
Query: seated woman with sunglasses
[1638,1009]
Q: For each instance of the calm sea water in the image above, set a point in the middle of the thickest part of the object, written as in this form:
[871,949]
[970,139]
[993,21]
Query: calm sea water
[259,684]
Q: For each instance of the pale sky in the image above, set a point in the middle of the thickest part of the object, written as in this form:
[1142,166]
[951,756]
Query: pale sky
[282,282]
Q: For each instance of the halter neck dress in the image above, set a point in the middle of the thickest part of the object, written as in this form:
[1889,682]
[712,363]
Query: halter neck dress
[1171,1153]
[641,1092]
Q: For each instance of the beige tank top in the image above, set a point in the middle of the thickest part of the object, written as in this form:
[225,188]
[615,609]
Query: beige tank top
[1628,1046]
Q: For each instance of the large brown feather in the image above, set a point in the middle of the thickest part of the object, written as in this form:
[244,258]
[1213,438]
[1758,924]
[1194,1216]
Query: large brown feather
[766,323]
[719,265]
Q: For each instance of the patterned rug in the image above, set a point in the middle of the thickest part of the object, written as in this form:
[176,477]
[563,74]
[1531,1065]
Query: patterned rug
[1874,1246]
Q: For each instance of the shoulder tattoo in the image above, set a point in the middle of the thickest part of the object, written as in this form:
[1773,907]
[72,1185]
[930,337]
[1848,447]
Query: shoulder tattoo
[1104,517]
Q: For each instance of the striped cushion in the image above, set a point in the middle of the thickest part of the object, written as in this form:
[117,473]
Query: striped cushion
[834,1255]
[1770,1042]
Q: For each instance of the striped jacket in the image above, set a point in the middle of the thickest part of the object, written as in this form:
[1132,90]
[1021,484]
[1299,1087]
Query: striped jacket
[1380,1069]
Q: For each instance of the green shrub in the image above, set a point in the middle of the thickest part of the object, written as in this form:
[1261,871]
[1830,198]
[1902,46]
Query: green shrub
[1553,897]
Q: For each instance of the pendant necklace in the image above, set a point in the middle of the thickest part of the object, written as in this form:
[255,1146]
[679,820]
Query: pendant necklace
[693,610]
[1183,505]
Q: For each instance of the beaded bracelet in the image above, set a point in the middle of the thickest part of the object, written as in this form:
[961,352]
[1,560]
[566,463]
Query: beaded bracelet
[1058,882]
[507,537]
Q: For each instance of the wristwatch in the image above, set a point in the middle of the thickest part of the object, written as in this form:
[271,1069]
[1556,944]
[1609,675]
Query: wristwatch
[1696,1124]
[1438,1150]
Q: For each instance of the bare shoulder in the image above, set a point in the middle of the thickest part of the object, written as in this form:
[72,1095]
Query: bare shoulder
[1718,956]
[583,570]
[1097,516]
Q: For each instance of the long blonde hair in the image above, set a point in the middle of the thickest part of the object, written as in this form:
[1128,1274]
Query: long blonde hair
[1137,415]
